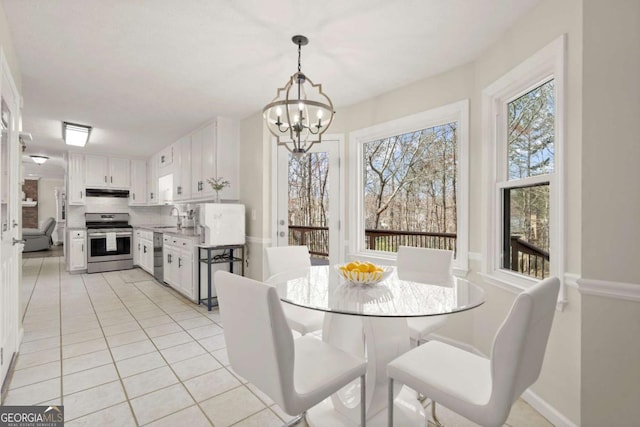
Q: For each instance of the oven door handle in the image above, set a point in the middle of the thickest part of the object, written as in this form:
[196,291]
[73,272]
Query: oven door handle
[105,235]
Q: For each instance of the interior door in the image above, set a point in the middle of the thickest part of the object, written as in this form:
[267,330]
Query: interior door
[10,221]
[308,201]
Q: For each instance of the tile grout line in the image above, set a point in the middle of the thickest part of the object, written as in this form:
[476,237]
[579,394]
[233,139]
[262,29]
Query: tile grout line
[167,362]
[126,395]
[266,406]
[5,386]
[159,351]
[60,320]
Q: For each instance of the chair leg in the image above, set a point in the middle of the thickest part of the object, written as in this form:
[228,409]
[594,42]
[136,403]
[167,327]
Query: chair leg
[296,420]
[363,401]
[421,397]
[436,421]
[390,404]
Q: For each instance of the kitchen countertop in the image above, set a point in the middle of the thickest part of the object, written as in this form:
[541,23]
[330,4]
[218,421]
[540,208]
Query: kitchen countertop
[166,229]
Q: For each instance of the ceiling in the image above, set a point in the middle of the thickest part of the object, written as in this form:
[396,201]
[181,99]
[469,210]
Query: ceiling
[144,73]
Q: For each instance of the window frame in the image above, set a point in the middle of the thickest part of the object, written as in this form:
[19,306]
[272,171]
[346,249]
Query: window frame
[547,64]
[454,112]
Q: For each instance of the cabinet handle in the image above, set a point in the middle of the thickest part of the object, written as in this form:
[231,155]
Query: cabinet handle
[169,258]
[144,249]
[105,178]
[112,180]
[179,264]
[161,159]
[82,248]
[81,194]
[151,195]
[134,196]
[138,246]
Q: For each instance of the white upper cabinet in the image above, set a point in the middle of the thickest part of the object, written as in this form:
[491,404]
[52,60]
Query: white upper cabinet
[106,172]
[97,168]
[165,160]
[182,169]
[75,179]
[152,181]
[138,192]
[209,152]
[203,161]
[119,173]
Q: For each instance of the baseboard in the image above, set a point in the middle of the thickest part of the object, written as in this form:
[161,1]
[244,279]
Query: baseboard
[554,416]
[549,412]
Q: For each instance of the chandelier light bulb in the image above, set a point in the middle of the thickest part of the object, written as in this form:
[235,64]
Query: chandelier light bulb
[296,132]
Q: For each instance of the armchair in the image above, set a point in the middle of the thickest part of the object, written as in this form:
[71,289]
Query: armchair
[39,239]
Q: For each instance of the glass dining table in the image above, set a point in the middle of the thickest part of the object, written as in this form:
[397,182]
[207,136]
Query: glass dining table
[371,321]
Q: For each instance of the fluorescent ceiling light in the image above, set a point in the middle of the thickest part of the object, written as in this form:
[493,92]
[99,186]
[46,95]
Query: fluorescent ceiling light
[74,134]
[39,159]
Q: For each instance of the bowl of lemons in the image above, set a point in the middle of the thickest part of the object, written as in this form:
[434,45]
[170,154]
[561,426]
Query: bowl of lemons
[364,273]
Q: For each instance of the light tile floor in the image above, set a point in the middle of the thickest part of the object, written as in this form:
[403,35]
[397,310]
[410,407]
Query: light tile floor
[119,349]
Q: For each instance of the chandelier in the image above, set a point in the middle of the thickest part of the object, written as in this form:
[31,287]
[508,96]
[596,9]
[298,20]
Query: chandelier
[301,112]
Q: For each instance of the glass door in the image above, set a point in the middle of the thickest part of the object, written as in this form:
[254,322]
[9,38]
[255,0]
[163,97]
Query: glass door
[308,201]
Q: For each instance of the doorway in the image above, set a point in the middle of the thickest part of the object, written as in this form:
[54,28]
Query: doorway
[10,220]
[309,201]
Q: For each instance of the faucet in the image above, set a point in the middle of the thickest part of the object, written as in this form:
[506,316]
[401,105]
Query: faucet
[179,225]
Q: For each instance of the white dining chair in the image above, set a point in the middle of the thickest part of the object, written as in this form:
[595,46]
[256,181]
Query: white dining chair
[290,258]
[296,374]
[424,265]
[477,388]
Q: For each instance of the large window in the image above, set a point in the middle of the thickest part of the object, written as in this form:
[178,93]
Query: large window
[411,184]
[524,128]
[530,135]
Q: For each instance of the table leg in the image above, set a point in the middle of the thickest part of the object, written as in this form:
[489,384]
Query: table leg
[382,340]
[208,279]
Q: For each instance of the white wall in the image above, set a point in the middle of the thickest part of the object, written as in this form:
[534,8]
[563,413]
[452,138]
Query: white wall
[255,191]
[47,198]
[611,213]
[591,373]
[7,47]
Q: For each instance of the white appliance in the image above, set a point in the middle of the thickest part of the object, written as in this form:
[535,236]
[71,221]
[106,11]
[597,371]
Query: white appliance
[222,224]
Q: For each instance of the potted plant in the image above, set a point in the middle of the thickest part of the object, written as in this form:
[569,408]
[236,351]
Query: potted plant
[218,184]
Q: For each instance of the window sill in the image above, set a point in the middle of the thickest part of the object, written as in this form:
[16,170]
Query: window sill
[515,284]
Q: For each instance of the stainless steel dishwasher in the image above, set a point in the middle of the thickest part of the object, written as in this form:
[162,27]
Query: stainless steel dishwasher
[158,269]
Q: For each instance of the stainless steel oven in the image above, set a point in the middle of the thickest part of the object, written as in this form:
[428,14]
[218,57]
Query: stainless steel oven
[110,242]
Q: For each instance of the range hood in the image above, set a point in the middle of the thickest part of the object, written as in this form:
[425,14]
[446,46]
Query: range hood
[105,192]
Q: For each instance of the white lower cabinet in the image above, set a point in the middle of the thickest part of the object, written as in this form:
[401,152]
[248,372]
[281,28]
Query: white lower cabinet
[178,263]
[143,250]
[77,252]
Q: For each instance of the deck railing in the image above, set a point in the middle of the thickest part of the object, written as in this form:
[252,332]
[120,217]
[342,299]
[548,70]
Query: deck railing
[389,240]
[528,259]
[317,239]
[524,257]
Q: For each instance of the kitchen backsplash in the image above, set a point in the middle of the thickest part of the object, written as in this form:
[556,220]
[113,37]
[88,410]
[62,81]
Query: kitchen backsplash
[138,215]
